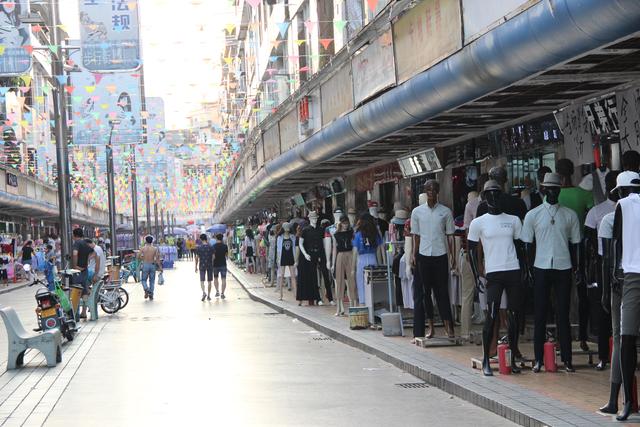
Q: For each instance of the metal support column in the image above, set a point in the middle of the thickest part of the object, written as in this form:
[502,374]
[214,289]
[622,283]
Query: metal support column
[134,199]
[62,154]
[112,198]
[155,214]
[149,232]
[162,233]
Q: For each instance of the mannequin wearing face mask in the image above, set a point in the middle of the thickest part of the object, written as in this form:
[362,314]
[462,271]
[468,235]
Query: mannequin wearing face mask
[556,231]
[499,234]
[285,260]
[612,284]
[343,263]
[626,243]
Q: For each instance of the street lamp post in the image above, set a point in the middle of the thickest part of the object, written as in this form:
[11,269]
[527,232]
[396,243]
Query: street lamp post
[111,192]
[62,154]
[134,200]
[149,232]
[155,214]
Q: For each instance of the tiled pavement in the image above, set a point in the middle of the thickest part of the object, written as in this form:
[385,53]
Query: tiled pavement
[528,399]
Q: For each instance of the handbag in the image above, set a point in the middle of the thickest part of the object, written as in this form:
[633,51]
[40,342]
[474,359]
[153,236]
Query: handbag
[160,279]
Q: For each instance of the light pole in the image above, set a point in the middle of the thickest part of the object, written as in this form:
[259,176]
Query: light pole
[134,200]
[111,191]
[148,212]
[62,154]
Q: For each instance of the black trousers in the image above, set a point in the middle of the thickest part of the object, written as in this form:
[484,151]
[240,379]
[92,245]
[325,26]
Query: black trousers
[560,281]
[319,259]
[434,275]
[497,282]
[600,319]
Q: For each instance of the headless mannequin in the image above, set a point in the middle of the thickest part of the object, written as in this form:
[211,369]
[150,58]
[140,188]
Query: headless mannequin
[493,204]
[329,249]
[552,194]
[628,351]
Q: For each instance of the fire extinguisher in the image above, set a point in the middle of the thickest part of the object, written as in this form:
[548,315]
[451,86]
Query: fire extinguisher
[634,395]
[504,359]
[550,363]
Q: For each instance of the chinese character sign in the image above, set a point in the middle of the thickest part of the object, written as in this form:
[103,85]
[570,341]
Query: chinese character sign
[110,35]
[15,57]
[102,101]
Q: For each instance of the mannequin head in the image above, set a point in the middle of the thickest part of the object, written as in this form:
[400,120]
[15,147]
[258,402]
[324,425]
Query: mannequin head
[499,175]
[286,227]
[631,161]
[373,211]
[541,173]
[351,213]
[313,219]
[432,189]
[628,183]
[422,198]
[610,184]
[337,214]
[492,192]
[551,186]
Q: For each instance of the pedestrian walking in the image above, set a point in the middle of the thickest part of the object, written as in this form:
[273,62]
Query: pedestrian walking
[220,255]
[81,256]
[151,262]
[204,262]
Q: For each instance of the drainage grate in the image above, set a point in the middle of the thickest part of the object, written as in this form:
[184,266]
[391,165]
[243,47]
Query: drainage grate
[321,339]
[413,385]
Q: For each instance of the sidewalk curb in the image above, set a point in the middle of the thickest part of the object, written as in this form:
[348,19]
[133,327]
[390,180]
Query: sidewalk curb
[517,414]
[13,288]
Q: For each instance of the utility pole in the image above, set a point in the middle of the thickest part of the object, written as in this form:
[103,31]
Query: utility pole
[148,212]
[155,214]
[134,199]
[111,193]
[162,222]
[62,153]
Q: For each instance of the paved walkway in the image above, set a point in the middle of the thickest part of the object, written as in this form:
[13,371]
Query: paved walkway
[234,362]
[529,399]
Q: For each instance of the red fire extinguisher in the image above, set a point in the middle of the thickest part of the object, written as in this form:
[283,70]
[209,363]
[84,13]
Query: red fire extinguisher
[504,359]
[550,363]
[634,395]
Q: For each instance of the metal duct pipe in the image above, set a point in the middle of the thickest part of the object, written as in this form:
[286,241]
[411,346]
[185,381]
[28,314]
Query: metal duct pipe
[547,34]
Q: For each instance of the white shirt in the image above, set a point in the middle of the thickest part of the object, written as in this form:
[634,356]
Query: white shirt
[497,233]
[433,226]
[552,240]
[103,260]
[595,215]
[470,210]
[605,231]
[630,207]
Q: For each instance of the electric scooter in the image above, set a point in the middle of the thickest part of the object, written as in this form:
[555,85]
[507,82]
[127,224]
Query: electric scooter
[53,309]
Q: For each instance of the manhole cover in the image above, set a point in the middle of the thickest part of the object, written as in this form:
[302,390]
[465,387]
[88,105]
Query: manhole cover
[321,339]
[413,385]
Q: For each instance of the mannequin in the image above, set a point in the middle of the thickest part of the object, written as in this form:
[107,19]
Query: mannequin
[286,258]
[626,236]
[343,263]
[612,279]
[432,229]
[504,254]
[312,258]
[556,231]
[593,256]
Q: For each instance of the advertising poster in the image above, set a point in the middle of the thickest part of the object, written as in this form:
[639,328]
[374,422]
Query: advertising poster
[15,60]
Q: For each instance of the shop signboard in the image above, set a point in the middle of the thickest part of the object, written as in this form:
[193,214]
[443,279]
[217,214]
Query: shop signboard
[271,141]
[629,118]
[434,27]
[289,131]
[336,95]
[420,163]
[110,35]
[374,68]
[12,180]
[97,103]
[15,36]
[479,17]
[602,116]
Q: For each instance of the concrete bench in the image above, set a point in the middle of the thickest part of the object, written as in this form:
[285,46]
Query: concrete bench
[48,342]
[92,303]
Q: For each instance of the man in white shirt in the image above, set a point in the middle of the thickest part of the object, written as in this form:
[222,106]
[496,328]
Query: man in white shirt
[626,235]
[498,233]
[432,229]
[556,231]
[600,318]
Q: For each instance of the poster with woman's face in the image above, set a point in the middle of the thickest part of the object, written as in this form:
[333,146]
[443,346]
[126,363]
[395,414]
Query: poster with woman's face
[13,36]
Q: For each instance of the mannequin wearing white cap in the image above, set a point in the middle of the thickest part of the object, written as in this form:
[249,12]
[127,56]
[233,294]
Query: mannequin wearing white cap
[612,283]
[556,231]
[626,238]
[286,257]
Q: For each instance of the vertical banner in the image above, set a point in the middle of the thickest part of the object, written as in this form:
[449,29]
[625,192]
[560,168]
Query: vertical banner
[110,35]
[98,100]
[15,39]
[628,105]
[155,120]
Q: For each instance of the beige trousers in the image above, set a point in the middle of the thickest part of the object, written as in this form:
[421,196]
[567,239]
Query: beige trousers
[344,270]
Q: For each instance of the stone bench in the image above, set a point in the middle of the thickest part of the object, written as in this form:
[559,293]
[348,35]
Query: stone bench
[19,340]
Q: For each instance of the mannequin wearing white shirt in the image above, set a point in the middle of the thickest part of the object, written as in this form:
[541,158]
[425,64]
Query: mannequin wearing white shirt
[328,239]
[499,234]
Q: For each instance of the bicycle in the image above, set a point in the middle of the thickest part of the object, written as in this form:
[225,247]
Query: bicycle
[113,297]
